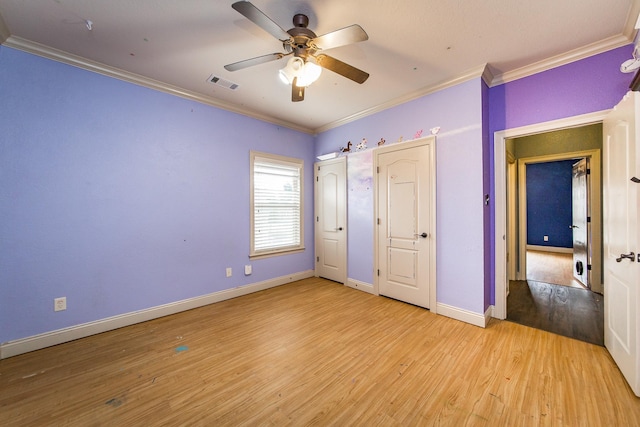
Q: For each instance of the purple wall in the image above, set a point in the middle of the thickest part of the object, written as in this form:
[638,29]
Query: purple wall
[585,86]
[460,212]
[123,198]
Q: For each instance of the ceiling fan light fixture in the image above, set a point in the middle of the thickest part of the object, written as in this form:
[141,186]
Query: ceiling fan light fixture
[291,70]
[309,74]
[305,72]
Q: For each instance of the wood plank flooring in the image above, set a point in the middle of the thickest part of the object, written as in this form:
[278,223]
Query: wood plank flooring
[551,267]
[315,352]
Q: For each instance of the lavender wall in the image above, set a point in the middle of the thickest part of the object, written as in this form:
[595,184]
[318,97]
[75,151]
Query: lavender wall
[585,86]
[459,153]
[122,198]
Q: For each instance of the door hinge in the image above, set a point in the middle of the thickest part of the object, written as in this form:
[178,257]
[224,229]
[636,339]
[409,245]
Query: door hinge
[317,219]
[377,169]
[317,180]
[588,219]
[317,259]
[378,221]
[318,167]
[588,171]
[589,267]
[378,272]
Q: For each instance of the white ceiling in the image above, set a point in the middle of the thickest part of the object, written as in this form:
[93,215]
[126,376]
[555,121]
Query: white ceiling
[414,46]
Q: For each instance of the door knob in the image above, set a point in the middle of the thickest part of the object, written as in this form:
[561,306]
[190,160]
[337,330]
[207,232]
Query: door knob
[627,256]
[573,226]
[423,235]
[339,229]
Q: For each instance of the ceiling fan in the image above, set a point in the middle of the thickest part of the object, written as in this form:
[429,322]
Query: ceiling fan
[307,61]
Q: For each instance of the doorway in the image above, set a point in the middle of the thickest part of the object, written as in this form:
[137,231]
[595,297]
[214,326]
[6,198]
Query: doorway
[552,192]
[548,205]
[552,202]
[510,259]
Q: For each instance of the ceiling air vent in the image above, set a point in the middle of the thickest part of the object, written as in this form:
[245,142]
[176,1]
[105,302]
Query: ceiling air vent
[219,81]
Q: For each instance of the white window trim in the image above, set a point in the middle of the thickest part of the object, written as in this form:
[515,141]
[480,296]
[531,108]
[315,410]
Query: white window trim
[288,161]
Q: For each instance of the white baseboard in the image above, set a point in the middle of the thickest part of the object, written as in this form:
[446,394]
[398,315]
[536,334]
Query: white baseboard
[476,319]
[550,249]
[37,342]
[361,286]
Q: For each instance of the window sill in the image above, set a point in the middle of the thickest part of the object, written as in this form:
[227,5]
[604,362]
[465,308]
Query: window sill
[276,253]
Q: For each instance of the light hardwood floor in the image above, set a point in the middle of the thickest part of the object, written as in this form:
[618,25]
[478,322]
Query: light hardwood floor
[316,353]
[551,267]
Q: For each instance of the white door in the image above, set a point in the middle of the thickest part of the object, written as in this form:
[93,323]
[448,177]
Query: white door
[331,219]
[621,238]
[580,226]
[406,222]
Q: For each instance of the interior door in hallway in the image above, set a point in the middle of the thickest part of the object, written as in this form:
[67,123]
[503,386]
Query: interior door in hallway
[621,237]
[331,219]
[580,224]
[406,222]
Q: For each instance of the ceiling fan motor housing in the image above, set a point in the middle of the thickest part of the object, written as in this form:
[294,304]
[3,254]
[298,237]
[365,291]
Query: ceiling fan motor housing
[300,37]
[300,20]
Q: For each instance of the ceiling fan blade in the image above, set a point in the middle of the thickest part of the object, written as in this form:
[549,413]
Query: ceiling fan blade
[344,69]
[256,16]
[342,37]
[253,61]
[297,93]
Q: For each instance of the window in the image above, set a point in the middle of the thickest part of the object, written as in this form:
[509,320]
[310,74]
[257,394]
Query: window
[276,204]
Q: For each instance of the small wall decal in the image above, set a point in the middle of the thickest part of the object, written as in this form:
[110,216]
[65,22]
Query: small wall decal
[382,141]
[400,139]
[418,134]
[362,145]
[435,130]
[347,148]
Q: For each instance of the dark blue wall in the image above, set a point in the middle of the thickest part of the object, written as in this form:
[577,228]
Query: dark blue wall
[549,204]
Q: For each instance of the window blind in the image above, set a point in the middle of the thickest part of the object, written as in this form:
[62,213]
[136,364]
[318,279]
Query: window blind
[276,205]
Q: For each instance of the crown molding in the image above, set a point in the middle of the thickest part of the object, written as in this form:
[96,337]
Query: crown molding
[562,59]
[109,71]
[469,75]
[488,75]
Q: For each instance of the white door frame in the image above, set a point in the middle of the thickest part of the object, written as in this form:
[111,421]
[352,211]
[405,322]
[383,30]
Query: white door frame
[500,193]
[432,207]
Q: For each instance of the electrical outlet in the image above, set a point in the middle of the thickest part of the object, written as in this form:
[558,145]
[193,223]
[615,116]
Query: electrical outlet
[546,238]
[60,304]
[247,270]
[229,272]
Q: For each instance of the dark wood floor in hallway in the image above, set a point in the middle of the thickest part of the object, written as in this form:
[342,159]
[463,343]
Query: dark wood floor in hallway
[571,312]
[559,304]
